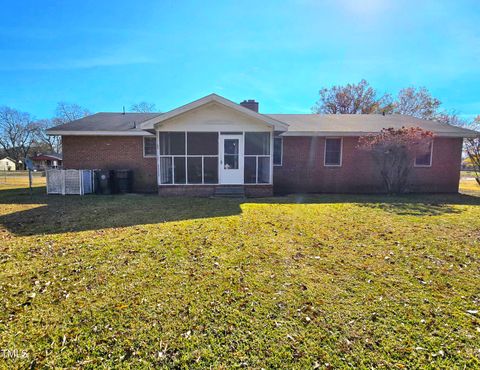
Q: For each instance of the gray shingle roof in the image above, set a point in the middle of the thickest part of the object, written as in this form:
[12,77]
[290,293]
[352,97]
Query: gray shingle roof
[50,155]
[358,124]
[299,124]
[106,122]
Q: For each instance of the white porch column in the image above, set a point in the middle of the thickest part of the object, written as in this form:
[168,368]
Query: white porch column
[157,136]
[272,132]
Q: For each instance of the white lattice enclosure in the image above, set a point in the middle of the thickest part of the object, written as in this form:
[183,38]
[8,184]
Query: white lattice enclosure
[69,182]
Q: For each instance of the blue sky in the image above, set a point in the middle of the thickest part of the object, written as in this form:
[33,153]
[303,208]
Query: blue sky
[107,54]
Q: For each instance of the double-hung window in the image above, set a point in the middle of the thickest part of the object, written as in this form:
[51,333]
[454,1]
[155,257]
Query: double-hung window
[333,152]
[149,146]
[423,157]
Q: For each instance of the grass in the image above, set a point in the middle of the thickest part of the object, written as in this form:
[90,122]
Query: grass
[465,173]
[292,282]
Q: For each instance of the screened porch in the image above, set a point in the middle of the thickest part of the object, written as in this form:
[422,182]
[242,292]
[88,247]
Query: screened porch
[209,158]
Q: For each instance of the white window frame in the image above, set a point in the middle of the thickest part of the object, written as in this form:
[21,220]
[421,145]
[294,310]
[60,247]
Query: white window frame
[149,155]
[281,151]
[431,158]
[325,152]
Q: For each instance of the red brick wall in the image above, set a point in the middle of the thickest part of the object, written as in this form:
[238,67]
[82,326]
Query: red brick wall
[111,152]
[209,190]
[303,169]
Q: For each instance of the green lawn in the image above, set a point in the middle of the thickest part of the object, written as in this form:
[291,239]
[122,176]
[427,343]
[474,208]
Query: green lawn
[290,282]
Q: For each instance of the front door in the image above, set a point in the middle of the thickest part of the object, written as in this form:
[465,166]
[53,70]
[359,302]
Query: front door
[231,159]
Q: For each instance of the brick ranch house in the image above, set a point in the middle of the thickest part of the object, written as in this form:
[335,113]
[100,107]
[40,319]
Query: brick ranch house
[214,143]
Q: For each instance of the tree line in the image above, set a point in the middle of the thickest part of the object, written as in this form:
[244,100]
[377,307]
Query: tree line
[362,98]
[22,135]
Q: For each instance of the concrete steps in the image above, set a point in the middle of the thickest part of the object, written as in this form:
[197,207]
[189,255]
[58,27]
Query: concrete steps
[233,191]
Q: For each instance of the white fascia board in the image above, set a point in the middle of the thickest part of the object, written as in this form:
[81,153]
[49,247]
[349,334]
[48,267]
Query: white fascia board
[326,133]
[214,98]
[98,133]
[358,133]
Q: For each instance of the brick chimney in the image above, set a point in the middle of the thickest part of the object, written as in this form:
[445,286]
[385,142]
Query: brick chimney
[250,104]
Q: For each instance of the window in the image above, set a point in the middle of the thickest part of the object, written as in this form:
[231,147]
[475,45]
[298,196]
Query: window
[231,154]
[149,146]
[333,152]
[277,151]
[424,157]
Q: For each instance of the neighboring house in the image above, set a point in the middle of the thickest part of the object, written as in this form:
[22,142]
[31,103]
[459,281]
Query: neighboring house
[213,143]
[46,161]
[7,164]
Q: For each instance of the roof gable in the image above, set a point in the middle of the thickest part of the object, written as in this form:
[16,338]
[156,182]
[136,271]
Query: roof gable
[209,99]
[7,158]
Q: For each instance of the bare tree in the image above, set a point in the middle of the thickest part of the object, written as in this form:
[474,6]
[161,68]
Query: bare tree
[143,107]
[450,118]
[472,147]
[17,133]
[394,150]
[66,112]
[358,98]
[52,143]
[417,102]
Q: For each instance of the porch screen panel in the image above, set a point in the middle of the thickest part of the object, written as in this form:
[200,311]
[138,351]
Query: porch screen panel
[172,143]
[194,168]
[210,170]
[166,170]
[202,143]
[180,171]
[263,170]
[250,170]
[257,143]
[257,158]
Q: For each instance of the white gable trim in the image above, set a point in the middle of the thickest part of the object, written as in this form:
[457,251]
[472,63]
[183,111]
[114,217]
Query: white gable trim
[279,126]
[98,133]
[364,133]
